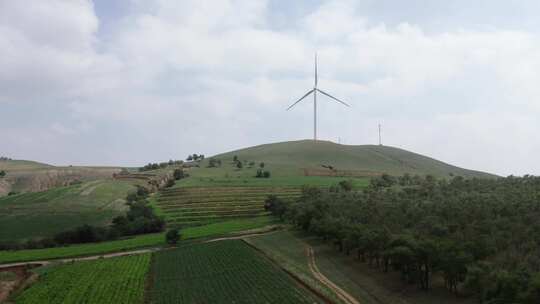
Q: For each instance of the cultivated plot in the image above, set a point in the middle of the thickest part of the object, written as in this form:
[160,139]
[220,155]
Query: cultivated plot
[221,272]
[116,280]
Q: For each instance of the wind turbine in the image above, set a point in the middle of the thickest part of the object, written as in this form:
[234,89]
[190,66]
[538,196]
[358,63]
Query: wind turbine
[314,91]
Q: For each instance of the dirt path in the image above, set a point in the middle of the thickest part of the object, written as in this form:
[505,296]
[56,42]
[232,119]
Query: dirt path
[87,258]
[243,236]
[131,252]
[342,294]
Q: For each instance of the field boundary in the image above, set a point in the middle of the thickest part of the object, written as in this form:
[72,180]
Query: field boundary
[342,294]
[292,275]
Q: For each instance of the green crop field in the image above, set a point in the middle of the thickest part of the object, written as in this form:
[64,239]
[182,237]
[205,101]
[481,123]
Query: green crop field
[368,285]
[116,280]
[43,214]
[202,205]
[140,241]
[221,272]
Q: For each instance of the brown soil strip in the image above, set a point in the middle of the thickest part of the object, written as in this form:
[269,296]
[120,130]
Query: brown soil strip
[23,277]
[342,294]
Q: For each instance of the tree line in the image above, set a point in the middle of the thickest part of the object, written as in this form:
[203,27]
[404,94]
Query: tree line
[481,236]
[162,165]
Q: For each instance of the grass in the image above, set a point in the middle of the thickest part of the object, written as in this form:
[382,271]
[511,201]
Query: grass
[286,159]
[366,284]
[115,280]
[140,241]
[221,178]
[221,272]
[43,214]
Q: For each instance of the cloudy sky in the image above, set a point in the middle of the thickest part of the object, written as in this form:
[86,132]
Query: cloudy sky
[128,82]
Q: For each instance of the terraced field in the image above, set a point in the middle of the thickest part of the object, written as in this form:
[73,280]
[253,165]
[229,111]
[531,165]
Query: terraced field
[202,205]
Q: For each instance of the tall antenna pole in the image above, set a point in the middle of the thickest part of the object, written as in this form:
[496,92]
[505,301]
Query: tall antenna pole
[380,141]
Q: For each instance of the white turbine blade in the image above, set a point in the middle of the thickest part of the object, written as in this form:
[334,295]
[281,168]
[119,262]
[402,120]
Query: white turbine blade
[307,94]
[316,76]
[342,102]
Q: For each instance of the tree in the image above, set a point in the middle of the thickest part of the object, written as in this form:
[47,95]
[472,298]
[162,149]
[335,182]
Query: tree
[266,174]
[235,158]
[178,174]
[189,158]
[346,185]
[172,237]
[275,205]
[2,173]
[261,165]
[259,173]
[239,165]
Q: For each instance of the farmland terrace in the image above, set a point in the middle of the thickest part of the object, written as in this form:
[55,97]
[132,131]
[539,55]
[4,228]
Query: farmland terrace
[202,205]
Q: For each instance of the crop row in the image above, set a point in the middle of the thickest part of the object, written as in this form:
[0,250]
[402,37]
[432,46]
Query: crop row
[216,198]
[224,196]
[225,189]
[221,272]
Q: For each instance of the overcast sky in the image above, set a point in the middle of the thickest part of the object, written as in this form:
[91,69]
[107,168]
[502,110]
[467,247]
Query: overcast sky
[129,82]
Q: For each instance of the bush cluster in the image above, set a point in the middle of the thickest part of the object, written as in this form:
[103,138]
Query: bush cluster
[162,165]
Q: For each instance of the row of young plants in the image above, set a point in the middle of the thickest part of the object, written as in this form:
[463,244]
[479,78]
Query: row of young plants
[220,272]
[116,280]
[481,235]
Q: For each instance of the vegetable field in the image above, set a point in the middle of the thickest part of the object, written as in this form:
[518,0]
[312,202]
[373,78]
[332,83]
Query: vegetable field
[116,280]
[221,272]
[202,205]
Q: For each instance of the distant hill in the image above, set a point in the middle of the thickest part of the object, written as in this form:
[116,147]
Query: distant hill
[30,176]
[324,158]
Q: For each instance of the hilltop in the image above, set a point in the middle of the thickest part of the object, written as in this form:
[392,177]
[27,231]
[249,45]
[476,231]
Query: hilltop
[321,158]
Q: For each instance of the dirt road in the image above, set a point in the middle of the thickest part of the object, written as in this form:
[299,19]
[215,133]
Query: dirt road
[88,258]
[342,294]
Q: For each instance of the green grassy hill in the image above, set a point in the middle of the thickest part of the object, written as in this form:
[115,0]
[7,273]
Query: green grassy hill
[294,157]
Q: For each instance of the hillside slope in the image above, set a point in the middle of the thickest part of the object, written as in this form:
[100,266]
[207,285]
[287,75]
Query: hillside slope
[30,176]
[294,157]
[43,214]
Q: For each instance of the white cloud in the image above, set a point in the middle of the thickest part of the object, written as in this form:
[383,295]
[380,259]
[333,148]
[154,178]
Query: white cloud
[174,78]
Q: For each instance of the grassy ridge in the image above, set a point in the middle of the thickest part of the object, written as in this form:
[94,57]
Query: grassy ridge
[289,158]
[221,272]
[147,240]
[43,214]
[116,280]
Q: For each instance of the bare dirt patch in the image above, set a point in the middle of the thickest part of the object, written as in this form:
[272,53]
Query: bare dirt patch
[14,278]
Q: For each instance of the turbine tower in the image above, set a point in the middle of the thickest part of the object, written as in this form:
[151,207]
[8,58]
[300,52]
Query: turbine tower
[314,91]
